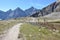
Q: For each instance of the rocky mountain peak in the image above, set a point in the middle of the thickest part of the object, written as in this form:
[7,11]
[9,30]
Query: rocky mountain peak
[10,10]
[32,8]
[17,8]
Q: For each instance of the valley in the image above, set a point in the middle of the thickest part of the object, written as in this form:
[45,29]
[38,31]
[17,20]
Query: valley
[31,23]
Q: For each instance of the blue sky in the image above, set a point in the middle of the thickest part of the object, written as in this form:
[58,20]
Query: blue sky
[23,4]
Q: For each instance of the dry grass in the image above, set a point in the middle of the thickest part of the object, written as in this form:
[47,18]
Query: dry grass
[32,32]
[5,25]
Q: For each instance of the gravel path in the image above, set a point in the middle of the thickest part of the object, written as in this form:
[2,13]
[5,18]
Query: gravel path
[13,32]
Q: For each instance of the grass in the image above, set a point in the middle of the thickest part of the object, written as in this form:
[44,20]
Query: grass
[5,25]
[33,32]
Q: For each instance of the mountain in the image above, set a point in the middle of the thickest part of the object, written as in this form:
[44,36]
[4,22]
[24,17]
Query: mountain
[36,14]
[54,15]
[17,13]
[7,13]
[57,7]
[56,12]
[31,11]
[2,14]
[46,10]
[54,7]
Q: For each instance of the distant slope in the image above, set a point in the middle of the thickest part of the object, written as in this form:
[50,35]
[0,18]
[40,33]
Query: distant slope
[54,15]
[2,15]
[17,13]
[31,11]
[57,7]
[7,13]
[54,7]
[45,11]
[56,12]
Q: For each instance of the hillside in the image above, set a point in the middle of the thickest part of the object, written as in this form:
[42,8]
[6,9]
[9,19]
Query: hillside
[54,15]
[17,13]
[31,12]
[54,7]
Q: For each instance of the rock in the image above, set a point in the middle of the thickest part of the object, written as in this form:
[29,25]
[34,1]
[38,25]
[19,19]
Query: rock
[54,7]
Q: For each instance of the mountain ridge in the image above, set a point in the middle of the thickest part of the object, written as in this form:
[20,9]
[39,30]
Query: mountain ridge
[16,13]
[54,7]
[30,12]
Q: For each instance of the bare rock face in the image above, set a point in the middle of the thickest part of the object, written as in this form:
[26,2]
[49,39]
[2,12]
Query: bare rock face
[57,7]
[54,15]
[54,7]
[45,11]
[49,9]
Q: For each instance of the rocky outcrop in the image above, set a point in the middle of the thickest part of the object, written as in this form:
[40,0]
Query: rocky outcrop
[47,10]
[57,7]
[31,11]
[54,7]
[54,15]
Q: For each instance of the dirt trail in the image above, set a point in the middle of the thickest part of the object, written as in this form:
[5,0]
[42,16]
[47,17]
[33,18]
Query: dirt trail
[13,32]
